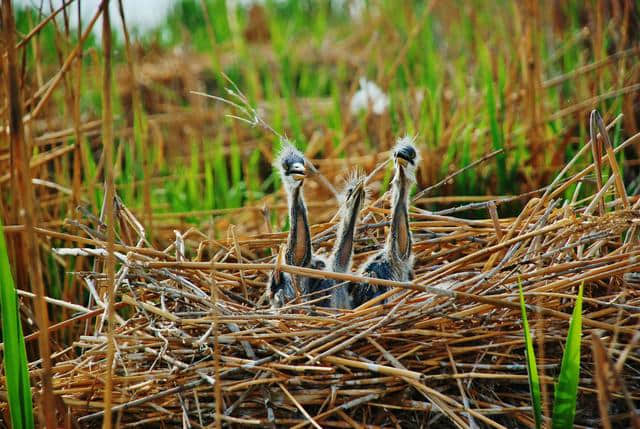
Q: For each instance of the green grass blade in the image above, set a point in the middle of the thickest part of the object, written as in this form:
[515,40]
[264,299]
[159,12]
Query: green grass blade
[238,185]
[494,125]
[15,355]
[566,392]
[532,370]
[193,177]
[209,194]
[221,177]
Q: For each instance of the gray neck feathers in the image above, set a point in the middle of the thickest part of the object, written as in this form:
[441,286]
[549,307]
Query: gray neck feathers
[299,243]
[399,240]
[343,248]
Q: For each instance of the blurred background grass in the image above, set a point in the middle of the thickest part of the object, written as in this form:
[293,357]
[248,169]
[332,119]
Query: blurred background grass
[468,77]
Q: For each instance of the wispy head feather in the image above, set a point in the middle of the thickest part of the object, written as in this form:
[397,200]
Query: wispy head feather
[353,178]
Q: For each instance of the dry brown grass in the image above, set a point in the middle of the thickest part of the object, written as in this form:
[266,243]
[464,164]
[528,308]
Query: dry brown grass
[194,340]
[450,338]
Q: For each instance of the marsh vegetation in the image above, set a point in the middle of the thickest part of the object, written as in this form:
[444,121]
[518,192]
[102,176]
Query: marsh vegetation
[142,220]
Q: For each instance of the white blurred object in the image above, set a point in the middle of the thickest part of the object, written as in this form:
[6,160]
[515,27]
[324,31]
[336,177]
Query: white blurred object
[369,94]
[140,15]
[356,7]
[419,96]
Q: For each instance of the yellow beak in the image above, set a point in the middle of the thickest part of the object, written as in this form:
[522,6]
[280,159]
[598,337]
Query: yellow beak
[403,162]
[298,176]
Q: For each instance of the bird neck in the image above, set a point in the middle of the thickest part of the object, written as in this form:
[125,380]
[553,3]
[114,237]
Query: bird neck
[343,248]
[399,240]
[299,242]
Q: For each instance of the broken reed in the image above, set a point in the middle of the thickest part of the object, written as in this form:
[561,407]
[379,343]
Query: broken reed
[458,321]
[455,128]
[216,159]
[24,211]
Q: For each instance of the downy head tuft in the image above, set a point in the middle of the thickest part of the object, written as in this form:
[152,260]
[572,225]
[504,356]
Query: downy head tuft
[354,191]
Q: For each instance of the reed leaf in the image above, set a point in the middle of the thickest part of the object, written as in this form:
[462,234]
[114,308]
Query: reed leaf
[497,138]
[566,392]
[15,356]
[532,370]
[221,177]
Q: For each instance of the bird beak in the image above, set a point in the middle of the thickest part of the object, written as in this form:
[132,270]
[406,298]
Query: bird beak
[358,192]
[298,171]
[401,161]
[298,176]
[359,189]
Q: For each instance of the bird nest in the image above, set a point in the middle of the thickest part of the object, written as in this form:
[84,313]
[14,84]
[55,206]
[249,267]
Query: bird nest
[196,341]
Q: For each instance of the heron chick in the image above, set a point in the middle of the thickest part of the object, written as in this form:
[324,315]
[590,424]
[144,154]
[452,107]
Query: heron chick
[291,165]
[353,198]
[395,260]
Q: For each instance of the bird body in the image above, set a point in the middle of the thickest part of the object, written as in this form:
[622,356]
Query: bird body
[339,261]
[379,266]
[298,252]
[395,260]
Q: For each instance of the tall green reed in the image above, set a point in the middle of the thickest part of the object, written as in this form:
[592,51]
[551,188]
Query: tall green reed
[15,356]
[566,389]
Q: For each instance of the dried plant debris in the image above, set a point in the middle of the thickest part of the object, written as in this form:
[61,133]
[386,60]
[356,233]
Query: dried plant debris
[445,348]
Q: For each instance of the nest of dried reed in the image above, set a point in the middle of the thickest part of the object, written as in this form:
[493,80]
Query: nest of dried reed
[197,343]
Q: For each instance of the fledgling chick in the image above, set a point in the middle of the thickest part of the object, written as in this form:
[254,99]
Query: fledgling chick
[353,198]
[291,165]
[395,260]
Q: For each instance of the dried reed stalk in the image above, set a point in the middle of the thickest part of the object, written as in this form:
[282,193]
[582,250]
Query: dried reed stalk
[107,144]
[24,199]
[451,340]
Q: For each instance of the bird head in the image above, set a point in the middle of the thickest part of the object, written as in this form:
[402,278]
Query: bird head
[291,163]
[355,192]
[406,157]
